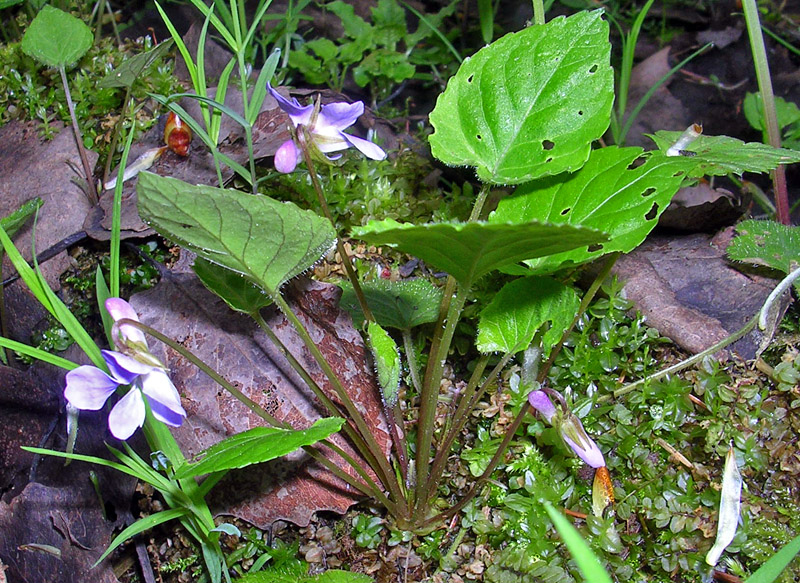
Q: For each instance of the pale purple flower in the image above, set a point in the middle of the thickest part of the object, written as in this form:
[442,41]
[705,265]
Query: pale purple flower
[88,387]
[568,425]
[325,126]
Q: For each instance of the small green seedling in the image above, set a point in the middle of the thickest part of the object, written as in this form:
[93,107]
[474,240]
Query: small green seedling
[58,40]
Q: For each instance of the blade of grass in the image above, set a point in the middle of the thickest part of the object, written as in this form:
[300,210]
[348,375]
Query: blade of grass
[587,561]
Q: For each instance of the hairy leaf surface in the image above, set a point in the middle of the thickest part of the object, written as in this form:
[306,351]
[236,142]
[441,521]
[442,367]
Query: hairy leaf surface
[268,241]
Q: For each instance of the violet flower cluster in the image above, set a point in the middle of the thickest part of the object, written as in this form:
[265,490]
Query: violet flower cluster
[88,387]
[325,127]
[568,425]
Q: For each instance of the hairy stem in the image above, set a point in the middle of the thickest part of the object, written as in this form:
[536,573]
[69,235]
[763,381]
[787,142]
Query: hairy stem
[345,257]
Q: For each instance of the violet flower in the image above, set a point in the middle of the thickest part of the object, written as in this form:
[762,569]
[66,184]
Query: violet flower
[568,425]
[88,387]
[324,126]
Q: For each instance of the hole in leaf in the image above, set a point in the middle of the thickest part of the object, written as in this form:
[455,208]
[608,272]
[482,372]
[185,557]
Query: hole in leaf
[648,191]
[549,159]
[595,247]
[580,112]
[565,211]
[593,68]
[547,144]
[635,163]
[479,137]
[678,173]
[470,78]
[652,213]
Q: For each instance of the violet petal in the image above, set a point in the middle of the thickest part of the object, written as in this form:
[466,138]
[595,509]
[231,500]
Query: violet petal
[123,367]
[287,157]
[543,405]
[119,309]
[89,388]
[338,116]
[163,397]
[370,150]
[127,415]
[589,453]
[298,113]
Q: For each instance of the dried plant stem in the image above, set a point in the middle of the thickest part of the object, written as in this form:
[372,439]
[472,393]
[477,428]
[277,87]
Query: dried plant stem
[91,191]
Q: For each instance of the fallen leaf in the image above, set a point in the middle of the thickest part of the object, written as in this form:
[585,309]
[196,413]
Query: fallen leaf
[685,288]
[291,488]
[701,208]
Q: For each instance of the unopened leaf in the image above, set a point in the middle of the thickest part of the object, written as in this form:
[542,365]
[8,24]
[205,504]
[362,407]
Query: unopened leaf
[520,308]
[387,362]
[609,194]
[257,445]
[721,155]
[602,491]
[395,304]
[767,243]
[268,241]
[468,251]
[729,505]
[56,38]
[530,104]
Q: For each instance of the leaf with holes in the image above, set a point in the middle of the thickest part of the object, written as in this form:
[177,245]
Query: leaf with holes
[610,193]
[468,251]
[721,155]
[530,104]
[521,308]
[268,241]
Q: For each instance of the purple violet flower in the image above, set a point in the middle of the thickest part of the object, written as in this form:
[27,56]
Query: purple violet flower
[88,387]
[325,127]
[569,426]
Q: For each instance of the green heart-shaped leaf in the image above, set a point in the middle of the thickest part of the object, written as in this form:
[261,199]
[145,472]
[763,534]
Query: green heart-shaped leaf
[530,104]
[607,194]
[520,308]
[56,38]
[467,251]
[268,241]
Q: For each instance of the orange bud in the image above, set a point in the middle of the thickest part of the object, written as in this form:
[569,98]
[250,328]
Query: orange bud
[177,135]
[602,491]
